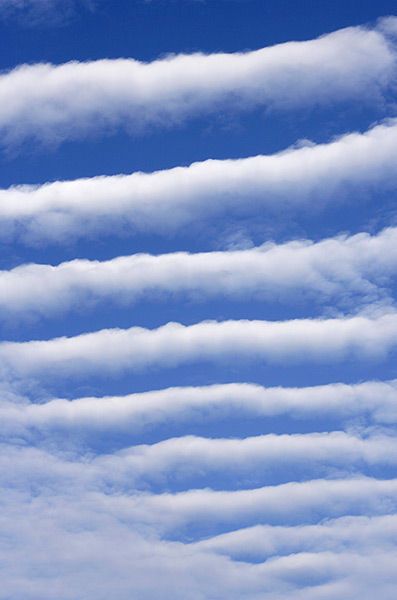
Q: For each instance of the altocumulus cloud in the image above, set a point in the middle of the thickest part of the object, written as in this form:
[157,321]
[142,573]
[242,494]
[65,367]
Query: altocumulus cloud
[184,406]
[45,100]
[300,180]
[116,350]
[237,490]
[342,269]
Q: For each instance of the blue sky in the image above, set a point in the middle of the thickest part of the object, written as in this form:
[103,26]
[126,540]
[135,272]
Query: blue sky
[197,299]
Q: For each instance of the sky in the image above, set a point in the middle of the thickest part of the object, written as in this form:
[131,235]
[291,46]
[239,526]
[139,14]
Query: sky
[198,319]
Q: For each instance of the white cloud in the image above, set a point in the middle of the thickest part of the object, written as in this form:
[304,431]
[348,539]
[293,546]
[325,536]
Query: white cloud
[301,179]
[63,538]
[59,102]
[344,269]
[192,458]
[114,488]
[288,503]
[263,541]
[115,350]
[140,411]
[60,546]
[79,520]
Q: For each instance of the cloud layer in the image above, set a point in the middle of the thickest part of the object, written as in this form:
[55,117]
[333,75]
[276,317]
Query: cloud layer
[227,490]
[342,269]
[139,412]
[115,350]
[59,102]
[303,179]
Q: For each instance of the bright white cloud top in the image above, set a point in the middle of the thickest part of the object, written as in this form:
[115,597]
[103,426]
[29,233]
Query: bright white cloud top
[300,179]
[64,101]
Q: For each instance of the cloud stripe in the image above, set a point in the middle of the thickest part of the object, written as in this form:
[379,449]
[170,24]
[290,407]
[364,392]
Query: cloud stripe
[337,268]
[288,503]
[163,201]
[114,350]
[94,521]
[252,460]
[191,459]
[77,535]
[137,412]
[272,493]
[211,511]
[46,101]
[262,541]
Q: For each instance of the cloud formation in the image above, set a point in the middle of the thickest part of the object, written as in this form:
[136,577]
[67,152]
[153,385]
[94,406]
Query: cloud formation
[50,102]
[74,536]
[303,179]
[173,344]
[263,541]
[311,501]
[139,412]
[343,269]
[194,459]
[233,490]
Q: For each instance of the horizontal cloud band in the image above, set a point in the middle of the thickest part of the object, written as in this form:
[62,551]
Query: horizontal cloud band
[165,200]
[263,541]
[343,266]
[192,459]
[114,350]
[289,503]
[136,412]
[65,101]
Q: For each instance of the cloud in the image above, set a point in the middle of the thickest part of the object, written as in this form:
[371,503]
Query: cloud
[138,412]
[110,483]
[75,550]
[303,179]
[195,459]
[116,350]
[63,537]
[287,503]
[54,103]
[80,517]
[263,541]
[346,270]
